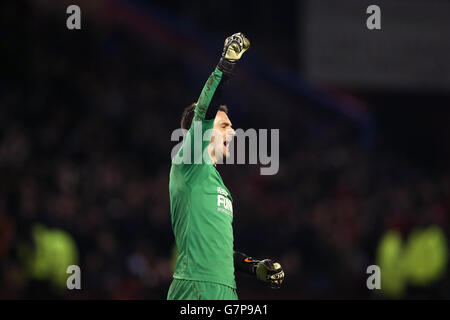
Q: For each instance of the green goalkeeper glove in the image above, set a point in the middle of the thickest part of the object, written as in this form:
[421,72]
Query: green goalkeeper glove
[233,49]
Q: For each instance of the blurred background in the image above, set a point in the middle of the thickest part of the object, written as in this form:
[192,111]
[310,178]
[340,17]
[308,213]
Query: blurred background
[86,118]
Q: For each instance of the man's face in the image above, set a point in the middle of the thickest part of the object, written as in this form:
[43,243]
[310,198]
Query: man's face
[222,135]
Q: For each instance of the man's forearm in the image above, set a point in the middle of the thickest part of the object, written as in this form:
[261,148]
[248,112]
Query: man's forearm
[207,94]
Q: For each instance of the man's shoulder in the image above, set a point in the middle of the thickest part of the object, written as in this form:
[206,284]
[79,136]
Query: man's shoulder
[189,173]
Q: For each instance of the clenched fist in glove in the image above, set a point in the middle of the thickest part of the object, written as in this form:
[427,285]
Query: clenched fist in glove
[265,270]
[270,272]
[233,49]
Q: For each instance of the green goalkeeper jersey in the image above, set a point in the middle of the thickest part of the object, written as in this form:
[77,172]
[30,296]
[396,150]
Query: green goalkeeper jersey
[200,204]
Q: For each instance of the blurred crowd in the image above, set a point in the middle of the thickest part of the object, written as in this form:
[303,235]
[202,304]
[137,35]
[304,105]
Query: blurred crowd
[85,148]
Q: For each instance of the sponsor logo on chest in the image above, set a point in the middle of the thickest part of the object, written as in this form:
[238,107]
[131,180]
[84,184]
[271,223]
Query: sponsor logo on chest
[223,203]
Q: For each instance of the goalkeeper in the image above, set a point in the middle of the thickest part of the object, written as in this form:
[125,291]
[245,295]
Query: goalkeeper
[201,205]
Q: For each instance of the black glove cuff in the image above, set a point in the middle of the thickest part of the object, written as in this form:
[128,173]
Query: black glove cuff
[226,66]
[244,263]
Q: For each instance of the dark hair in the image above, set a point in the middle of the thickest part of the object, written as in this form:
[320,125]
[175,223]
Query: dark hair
[188,115]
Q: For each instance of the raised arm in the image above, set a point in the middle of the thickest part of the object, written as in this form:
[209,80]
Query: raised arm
[233,49]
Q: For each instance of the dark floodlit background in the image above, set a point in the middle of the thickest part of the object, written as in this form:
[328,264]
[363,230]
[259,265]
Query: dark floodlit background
[86,118]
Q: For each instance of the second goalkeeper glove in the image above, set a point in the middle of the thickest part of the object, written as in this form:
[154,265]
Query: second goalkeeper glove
[265,270]
[270,272]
